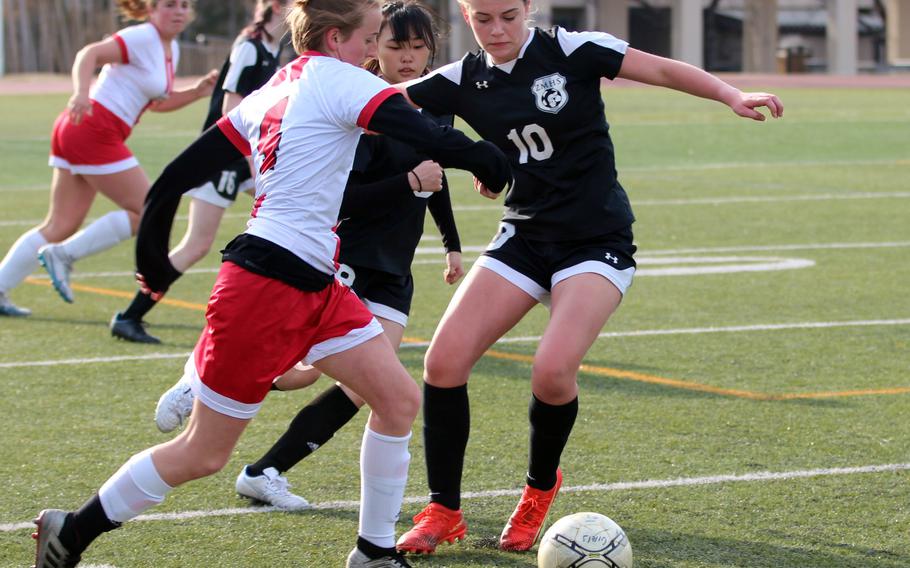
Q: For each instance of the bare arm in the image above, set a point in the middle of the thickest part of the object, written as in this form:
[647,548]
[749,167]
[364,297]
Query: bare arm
[179,99]
[660,71]
[89,58]
[230,101]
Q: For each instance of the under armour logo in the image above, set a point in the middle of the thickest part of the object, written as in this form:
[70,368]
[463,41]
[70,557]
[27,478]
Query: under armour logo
[482,84]
[609,256]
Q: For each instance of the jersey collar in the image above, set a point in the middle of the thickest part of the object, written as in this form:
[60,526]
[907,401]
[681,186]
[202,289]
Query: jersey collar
[509,65]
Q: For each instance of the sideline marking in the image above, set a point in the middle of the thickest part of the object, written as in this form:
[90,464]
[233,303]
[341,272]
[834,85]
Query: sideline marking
[701,387]
[414,343]
[646,257]
[759,476]
[117,293]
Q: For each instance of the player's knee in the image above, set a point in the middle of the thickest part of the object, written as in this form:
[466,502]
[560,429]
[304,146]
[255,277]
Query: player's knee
[298,377]
[442,369]
[400,403]
[209,464]
[553,380]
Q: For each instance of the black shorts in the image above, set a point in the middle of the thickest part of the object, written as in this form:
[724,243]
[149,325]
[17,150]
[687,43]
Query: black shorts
[537,266]
[386,295]
[222,188]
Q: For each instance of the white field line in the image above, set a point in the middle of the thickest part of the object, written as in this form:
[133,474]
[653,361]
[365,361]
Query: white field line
[92,360]
[636,203]
[702,330]
[761,476]
[716,265]
[647,257]
[527,339]
[650,169]
[644,254]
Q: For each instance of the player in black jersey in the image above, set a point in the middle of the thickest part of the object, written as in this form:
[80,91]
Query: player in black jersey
[252,61]
[565,238]
[390,188]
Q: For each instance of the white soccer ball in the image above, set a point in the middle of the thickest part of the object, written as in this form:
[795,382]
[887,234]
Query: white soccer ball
[588,540]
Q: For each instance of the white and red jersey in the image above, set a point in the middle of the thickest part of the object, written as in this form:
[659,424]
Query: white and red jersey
[145,74]
[302,130]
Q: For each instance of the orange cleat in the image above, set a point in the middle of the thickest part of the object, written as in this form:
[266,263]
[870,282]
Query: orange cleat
[527,520]
[435,524]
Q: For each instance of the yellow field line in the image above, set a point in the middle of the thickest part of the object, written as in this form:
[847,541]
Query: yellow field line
[119,294]
[584,368]
[699,387]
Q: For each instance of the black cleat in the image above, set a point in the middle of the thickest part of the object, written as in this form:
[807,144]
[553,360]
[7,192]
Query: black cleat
[131,330]
[50,552]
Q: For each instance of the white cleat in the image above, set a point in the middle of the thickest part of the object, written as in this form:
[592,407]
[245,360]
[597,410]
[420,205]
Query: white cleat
[270,488]
[9,309]
[58,266]
[174,406]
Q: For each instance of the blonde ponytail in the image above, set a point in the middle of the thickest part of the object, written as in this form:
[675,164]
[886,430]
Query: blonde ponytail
[308,20]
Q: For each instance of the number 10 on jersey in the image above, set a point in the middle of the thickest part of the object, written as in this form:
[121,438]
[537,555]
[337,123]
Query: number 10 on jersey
[532,141]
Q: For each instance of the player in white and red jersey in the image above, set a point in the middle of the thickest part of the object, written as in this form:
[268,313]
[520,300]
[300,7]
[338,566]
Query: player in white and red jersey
[276,301]
[252,62]
[383,214]
[88,150]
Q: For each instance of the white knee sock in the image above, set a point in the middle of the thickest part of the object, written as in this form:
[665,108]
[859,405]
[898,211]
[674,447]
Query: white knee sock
[105,232]
[134,488]
[384,464]
[21,260]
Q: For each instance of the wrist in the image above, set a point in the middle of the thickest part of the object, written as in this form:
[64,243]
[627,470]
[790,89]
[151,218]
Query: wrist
[416,179]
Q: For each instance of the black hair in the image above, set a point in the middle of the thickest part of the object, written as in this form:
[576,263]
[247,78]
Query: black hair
[407,19]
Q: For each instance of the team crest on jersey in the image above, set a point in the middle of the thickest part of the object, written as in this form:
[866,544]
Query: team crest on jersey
[550,93]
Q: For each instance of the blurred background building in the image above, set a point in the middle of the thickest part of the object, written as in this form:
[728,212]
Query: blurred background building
[757,36]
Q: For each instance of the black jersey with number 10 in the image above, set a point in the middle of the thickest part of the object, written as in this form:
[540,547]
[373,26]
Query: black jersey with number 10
[545,111]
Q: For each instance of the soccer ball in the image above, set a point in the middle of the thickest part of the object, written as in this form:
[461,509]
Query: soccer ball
[588,540]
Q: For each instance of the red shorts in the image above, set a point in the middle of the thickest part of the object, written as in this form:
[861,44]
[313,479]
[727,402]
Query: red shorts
[95,146]
[257,328]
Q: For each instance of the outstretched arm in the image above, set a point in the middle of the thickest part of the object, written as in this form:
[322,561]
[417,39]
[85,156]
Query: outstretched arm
[211,152]
[654,70]
[179,99]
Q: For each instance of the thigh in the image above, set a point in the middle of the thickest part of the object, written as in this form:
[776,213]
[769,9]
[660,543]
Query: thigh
[71,198]
[205,219]
[580,308]
[393,330]
[127,188]
[209,437]
[483,309]
[372,370]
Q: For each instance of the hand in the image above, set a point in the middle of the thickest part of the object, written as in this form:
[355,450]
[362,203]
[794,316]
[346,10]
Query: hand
[454,270]
[206,85]
[483,190]
[144,288]
[426,176]
[744,104]
[78,106]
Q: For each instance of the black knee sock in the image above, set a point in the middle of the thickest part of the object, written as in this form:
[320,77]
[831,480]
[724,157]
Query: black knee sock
[372,551]
[446,426]
[550,429]
[141,305]
[85,525]
[313,426]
